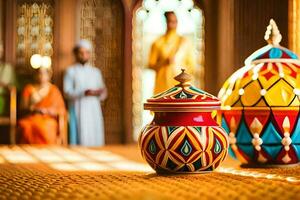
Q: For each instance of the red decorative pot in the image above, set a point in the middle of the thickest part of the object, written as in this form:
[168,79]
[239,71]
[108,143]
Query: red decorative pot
[183,137]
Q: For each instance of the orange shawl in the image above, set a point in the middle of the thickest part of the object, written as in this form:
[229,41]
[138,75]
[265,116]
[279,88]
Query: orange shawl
[39,128]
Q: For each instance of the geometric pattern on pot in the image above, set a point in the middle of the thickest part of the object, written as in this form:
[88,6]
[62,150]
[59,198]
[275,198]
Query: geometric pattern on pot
[183,148]
[272,138]
[189,93]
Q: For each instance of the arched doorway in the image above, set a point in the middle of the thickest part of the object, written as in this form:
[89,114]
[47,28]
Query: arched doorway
[148,25]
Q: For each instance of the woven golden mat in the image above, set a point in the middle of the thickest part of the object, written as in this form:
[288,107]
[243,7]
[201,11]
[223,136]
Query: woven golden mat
[118,172]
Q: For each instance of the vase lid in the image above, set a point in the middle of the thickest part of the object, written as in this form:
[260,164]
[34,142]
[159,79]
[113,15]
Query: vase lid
[183,97]
[269,79]
[273,51]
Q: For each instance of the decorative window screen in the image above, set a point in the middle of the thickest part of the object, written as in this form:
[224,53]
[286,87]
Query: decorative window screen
[87,23]
[34,30]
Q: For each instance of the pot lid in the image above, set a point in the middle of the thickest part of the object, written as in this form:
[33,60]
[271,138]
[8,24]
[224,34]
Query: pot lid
[183,97]
[270,78]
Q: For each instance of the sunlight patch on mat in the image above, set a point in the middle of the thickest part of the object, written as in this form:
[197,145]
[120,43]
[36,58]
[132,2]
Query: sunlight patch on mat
[70,159]
[16,155]
[255,174]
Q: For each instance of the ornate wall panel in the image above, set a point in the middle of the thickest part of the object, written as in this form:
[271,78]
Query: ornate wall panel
[1,20]
[102,23]
[34,30]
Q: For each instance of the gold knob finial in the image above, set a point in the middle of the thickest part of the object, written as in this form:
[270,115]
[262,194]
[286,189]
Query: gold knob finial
[184,78]
[272,35]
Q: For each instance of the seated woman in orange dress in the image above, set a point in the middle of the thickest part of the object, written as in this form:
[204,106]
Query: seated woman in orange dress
[43,103]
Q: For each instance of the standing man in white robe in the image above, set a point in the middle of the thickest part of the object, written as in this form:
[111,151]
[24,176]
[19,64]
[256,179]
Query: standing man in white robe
[84,88]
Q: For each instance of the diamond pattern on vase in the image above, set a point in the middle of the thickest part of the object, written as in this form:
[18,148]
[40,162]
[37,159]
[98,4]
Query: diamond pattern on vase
[272,149]
[262,118]
[252,89]
[184,150]
[283,93]
[217,148]
[149,130]
[232,114]
[280,116]
[152,147]
[268,76]
[255,126]
[286,158]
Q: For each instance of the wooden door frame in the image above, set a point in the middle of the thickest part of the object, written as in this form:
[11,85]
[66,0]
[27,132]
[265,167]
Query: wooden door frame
[9,35]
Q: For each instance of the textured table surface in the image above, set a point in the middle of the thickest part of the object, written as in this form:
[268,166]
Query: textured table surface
[118,172]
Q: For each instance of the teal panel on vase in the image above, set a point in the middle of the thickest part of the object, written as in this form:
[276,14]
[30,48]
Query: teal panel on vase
[231,153]
[198,128]
[272,151]
[225,126]
[296,134]
[171,129]
[248,149]
[271,135]
[275,53]
[243,135]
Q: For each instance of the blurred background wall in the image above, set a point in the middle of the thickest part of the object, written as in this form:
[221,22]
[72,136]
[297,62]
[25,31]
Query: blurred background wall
[233,29]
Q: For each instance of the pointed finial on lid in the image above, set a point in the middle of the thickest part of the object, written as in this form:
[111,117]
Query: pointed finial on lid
[184,78]
[272,35]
